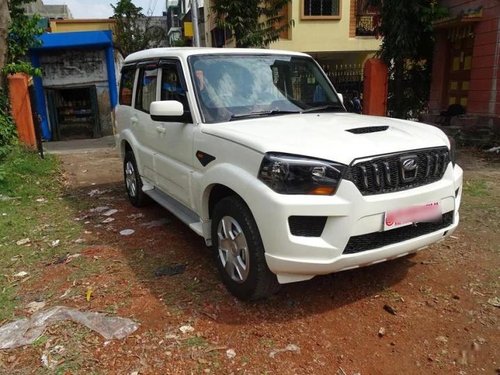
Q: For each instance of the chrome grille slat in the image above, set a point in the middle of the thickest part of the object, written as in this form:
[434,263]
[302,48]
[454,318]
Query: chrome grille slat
[385,174]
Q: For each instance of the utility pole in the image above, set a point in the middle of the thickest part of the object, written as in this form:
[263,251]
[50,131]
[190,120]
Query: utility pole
[194,18]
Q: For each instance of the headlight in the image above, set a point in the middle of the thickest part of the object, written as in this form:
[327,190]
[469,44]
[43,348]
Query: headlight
[292,174]
[453,151]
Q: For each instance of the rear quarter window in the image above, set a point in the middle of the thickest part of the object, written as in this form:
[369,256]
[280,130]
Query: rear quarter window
[127,86]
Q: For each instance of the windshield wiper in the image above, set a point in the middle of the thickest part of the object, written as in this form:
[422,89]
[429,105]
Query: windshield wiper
[272,112]
[333,107]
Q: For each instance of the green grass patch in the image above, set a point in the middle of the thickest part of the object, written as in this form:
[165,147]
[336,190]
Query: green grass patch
[195,341]
[476,188]
[32,208]
[7,300]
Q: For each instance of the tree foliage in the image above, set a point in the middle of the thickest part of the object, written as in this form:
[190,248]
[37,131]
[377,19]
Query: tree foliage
[254,23]
[7,126]
[23,35]
[407,49]
[133,30]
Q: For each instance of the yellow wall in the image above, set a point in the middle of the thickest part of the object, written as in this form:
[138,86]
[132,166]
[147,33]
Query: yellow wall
[324,35]
[60,26]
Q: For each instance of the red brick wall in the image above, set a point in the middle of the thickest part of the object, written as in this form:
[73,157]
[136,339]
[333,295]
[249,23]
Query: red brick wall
[484,95]
[352,19]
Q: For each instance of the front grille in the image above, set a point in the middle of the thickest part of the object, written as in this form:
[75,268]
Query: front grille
[307,226]
[376,240]
[401,171]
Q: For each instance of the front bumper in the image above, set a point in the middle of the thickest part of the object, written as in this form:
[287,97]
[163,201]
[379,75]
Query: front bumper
[295,258]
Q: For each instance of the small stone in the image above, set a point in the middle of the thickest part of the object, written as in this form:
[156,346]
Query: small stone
[495,301]
[35,306]
[55,243]
[186,329]
[110,212]
[21,274]
[381,332]
[390,309]
[442,339]
[127,232]
[24,241]
[100,209]
[230,353]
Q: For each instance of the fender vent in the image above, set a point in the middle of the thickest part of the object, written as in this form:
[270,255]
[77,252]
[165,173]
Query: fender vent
[368,129]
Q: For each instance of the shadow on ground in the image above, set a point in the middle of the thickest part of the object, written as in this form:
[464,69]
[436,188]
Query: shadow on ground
[156,244]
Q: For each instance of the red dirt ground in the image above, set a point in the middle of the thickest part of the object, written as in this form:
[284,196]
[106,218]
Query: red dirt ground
[443,322]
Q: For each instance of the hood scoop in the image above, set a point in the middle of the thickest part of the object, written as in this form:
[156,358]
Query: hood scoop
[368,129]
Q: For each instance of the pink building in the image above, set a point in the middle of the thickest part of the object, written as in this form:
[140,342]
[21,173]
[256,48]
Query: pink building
[466,67]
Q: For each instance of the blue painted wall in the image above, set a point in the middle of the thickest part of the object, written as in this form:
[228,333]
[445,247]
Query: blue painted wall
[72,40]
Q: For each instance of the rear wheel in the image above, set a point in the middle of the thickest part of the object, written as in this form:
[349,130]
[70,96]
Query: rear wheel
[133,182]
[239,252]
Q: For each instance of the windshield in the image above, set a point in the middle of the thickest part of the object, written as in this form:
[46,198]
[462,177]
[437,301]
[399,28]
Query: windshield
[232,87]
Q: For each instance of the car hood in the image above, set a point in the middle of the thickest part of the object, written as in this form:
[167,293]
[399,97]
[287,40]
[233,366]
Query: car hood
[327,135]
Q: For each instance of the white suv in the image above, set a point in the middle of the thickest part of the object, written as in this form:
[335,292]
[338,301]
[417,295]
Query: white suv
[254,150]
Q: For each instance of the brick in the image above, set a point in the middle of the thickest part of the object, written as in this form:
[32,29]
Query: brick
[486,38]
[482,73]
[482,96]
[482,62]
[484,50]
[487,25]
[474,106]
[480,84]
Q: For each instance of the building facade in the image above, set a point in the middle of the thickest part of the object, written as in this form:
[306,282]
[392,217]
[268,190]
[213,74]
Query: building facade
[340,34]
[466,68]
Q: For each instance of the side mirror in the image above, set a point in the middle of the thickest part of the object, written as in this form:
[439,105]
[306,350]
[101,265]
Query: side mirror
[169,111]
[341,97]
[166,110]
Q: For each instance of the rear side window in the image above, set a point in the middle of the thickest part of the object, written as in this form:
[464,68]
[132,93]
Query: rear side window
[146,88]
[127,85]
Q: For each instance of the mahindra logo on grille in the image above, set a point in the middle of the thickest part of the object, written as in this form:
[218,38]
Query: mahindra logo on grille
[409,165]
[409,168]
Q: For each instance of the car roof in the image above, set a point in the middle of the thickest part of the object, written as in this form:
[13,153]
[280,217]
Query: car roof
[184,52]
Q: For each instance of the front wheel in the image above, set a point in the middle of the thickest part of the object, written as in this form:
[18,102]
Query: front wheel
[239,252]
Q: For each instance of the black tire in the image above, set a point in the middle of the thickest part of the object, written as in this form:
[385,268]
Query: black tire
[253,280]
[133,182]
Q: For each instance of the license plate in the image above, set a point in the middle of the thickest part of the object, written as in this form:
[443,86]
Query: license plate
[414,214]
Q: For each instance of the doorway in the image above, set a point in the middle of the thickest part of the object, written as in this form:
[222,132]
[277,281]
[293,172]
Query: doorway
[459,68]
[73,113]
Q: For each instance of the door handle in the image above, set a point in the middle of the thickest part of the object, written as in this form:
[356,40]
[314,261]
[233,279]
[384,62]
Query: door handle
[134,121]
[160,129]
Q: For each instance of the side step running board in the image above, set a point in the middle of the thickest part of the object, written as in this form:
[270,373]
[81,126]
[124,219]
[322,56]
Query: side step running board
[182,212]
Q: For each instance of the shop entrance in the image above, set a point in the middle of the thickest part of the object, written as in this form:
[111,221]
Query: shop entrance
[73,113]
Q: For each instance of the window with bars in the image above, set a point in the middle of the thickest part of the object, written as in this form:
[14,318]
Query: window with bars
[321,9]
